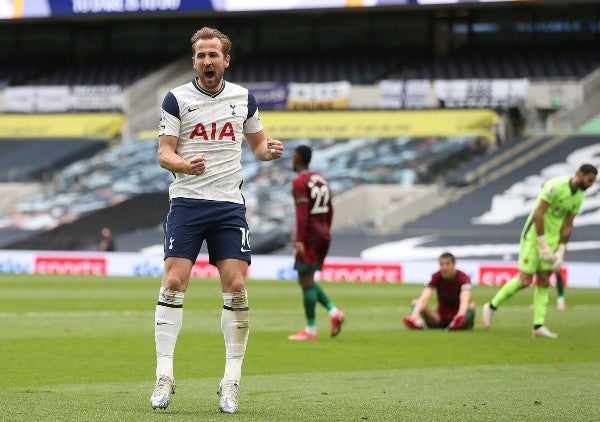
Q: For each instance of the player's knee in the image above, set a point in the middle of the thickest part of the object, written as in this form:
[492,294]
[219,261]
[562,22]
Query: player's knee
[525,280]
[306,282]
[543,283]
[173,282]
[237,285]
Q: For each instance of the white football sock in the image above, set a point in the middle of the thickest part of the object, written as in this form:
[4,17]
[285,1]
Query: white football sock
[235,325]
[168,319]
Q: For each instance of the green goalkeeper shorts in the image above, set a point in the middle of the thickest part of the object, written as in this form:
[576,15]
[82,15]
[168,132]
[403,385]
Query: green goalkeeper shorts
[529,258]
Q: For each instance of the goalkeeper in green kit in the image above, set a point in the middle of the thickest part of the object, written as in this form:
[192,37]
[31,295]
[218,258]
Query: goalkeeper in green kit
[543,243]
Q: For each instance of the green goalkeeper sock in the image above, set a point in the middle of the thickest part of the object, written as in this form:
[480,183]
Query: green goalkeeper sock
[540,303]
[322,298]
[510,288]
[560,285]
[310,301]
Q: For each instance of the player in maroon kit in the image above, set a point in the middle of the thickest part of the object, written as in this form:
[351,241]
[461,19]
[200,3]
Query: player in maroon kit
[455,309]
[314,212]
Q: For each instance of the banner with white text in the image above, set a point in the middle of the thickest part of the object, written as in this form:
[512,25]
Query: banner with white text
[319,96]
[477,93]
[62,98]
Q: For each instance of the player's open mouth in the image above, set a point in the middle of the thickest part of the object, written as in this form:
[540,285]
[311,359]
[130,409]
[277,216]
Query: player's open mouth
[209,74]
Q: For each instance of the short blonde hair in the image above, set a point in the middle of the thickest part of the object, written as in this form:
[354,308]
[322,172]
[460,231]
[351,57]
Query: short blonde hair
[207,33]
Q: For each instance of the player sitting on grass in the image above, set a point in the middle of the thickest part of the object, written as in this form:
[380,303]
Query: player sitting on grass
[455,309]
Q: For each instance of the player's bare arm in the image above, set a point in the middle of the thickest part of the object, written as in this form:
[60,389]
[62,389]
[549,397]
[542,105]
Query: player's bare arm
[565,234]
[170,160]
[567,228]
[263,147]
[546,253]
[422,302]
[538,217]
[299,250]
[465,300]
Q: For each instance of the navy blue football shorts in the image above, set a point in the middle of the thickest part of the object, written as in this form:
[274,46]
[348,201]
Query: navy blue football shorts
[222,224]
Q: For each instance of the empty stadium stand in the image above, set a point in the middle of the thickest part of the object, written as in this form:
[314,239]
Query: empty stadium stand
[96,71]
[109,71]
[568,60]
[486,166]
[361,48]
[357,67]
[518,177]
[26,160]
[125,171]
[144,210]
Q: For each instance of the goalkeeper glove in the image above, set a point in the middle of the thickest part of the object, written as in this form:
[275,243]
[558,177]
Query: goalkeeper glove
[546,254]
[559,256]
[456,323]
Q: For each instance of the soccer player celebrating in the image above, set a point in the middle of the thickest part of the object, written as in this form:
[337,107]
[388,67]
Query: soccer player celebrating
[455,309]
[543,243]
[314,212]
[202,126]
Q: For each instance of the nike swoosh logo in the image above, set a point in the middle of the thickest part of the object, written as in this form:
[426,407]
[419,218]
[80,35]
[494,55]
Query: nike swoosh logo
[163,323]
[244,250]
[190,109]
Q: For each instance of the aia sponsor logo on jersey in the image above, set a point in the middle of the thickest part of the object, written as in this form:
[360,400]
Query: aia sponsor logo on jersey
[214,132]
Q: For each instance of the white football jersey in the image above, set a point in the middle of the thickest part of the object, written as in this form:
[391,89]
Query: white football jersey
[213,124]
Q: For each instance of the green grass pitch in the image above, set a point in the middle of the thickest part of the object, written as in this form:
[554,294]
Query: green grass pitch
[82,349]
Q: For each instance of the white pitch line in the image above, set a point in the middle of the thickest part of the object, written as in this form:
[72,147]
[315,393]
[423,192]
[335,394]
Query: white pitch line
[70,314]
[75,314]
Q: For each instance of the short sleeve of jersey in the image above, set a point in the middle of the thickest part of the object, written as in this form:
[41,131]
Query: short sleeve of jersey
[435,280]
[464,280]
[252,123]
[299,190]
[557,189]
[549,191]
[169,116]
